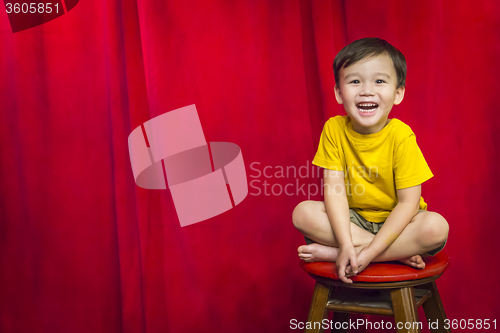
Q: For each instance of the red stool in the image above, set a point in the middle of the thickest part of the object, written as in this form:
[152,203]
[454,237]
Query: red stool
[388,288]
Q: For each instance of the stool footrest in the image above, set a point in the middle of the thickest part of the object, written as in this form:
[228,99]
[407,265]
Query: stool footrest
[376,302]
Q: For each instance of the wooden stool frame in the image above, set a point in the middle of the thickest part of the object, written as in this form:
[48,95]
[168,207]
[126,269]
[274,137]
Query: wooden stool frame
[404,304]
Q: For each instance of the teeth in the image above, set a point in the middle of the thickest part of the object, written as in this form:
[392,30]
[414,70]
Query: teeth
[367,107]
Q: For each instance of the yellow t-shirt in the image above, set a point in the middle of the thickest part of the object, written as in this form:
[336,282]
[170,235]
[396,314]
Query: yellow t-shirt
[375,165]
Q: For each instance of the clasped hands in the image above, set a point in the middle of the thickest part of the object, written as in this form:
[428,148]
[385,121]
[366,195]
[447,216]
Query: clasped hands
[349,263]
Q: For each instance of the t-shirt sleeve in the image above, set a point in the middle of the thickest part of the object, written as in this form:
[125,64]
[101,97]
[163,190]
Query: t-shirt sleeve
[327,155]
[410,167]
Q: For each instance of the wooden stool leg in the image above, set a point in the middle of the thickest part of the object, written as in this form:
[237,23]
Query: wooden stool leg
[405,310]
[434,310]
[341,317]
[317,310]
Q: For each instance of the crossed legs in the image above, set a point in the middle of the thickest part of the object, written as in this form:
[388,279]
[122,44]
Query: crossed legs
[425,232]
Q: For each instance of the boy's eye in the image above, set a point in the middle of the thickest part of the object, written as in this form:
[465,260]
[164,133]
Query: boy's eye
[380,81]
[354,81]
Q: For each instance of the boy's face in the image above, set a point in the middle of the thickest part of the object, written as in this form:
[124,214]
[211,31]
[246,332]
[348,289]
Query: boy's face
[368,92]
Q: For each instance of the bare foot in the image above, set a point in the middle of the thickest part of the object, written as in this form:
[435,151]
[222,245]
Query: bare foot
[414,261]
[317,252]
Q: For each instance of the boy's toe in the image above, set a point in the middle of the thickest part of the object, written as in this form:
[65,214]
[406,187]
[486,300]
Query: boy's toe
[420,265]
[305,257]
[306,249]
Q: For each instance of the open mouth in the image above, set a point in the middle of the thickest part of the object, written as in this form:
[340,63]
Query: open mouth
[367,108]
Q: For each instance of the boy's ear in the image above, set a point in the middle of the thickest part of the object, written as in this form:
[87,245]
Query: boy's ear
[400,93]
[338,95]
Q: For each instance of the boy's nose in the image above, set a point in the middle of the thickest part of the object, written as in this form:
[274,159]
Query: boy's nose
[366,90]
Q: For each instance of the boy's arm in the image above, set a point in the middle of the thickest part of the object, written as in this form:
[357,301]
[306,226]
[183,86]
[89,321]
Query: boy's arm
[337,209]
[406,208]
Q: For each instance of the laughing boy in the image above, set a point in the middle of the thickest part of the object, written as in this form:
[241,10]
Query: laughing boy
[373,171]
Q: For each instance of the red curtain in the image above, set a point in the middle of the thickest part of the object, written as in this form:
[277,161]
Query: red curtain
[83,249]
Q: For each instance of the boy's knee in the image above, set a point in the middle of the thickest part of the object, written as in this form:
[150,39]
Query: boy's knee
[434,229]
[301,214]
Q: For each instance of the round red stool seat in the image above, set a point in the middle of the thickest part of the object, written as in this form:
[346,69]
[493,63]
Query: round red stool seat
[383,271]
[384,288]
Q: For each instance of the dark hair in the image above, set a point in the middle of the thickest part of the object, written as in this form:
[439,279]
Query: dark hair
[370,47]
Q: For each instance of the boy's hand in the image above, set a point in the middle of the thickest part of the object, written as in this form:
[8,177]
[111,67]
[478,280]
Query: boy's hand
[365,256]
[347,255]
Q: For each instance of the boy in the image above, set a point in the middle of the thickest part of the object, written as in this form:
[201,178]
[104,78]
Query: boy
[373,171]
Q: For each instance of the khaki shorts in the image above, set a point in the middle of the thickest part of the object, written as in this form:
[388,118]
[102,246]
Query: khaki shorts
[374,228]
